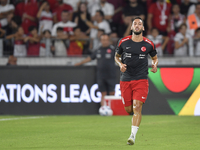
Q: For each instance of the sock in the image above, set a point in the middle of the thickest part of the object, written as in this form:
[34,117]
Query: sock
[134,130]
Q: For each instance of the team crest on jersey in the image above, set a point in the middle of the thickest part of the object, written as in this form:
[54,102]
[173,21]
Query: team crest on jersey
[143,49]
[109,50]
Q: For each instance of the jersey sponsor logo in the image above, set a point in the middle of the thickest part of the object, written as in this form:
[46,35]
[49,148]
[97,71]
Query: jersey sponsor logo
[141,56]
[109,50]
[128,47]
[143,97]
[143,49]
[128,55]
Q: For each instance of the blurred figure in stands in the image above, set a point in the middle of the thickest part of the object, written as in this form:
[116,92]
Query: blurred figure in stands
[19,46]
[193,20]
[5,10]
[33,42]
[77,18]
[160,41]
[175,20]
[66,24]
[197,42]
[12,61]
[183,42]
[105,7]
[192,8]
[134,9]
[46,18]
[46,35]
[59,9]
[61,43]
[185,5]
[29,15]
[158,16]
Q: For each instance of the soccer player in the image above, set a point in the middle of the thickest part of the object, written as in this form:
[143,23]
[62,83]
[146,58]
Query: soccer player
[133,51]
[106,73]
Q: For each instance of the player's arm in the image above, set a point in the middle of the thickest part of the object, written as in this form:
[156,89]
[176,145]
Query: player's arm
[118,61]
[88,59]
[154,64]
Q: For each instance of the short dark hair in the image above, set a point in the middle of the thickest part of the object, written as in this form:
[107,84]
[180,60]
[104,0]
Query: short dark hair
[59,29]
[100,12]
[138,18]
[31,28]
[65,11]
[197,30]
[154,28]
[182,25]
[46,31]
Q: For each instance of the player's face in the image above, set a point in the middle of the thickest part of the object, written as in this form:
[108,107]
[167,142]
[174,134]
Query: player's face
[105,41]
[137,26]
[183,30]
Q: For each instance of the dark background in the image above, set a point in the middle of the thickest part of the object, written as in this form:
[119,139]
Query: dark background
[155,104]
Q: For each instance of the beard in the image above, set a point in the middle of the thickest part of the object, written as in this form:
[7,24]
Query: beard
[137,32]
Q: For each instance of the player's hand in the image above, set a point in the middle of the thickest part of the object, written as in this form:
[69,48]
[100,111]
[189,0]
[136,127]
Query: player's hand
[154,68]
[123,67]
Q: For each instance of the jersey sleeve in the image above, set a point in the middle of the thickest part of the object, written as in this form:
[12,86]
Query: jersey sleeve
[153,52]
[119,49]
[93,55]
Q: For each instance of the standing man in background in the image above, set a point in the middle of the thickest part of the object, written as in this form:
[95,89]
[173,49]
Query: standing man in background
[133,51]
[106,73]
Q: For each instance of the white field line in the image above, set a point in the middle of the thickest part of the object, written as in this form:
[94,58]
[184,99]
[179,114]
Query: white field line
[8,119]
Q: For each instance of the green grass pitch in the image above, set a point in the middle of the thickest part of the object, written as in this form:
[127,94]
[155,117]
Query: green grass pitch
[95,132]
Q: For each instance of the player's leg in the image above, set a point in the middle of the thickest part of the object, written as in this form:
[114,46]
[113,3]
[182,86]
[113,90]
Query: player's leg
[139,97]
[111,86]
[102,88]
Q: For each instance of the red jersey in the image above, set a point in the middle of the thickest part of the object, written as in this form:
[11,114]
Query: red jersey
[160,15]
[58,10]
[30,9]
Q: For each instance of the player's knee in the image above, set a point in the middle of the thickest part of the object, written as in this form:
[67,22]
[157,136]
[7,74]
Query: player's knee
[137,108]
[129,109]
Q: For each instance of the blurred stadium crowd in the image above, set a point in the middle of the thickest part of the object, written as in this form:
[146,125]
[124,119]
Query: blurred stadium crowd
[73,27]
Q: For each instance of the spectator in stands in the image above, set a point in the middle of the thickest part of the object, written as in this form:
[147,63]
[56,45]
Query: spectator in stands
[158,16]
[185,7]
[183,42]
[160,41]
[19,8]
[197,42]
[90,4]
[96,43]
[82,11]
[33,42]
[29,15]
[105,7]
[12,61]
[125,28]
[175,20]
[134,9]
[45,16]
[193,20]
[73,3]
[5,10]
[19,46]
[78,43]
[46,34]
[60,45]
[2,32]
[59,9]
[66,24]
[192,8]
[118,7]
[99,23]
